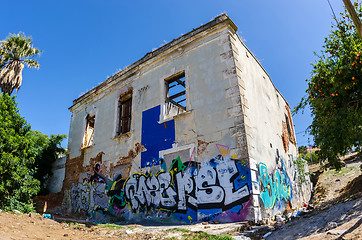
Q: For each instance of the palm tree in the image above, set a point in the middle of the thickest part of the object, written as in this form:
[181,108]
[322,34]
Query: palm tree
[15,51]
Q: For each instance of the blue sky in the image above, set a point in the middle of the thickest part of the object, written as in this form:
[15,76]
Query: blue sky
[86,41]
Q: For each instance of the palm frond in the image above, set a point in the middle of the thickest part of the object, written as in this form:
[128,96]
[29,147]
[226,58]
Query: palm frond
[31,63]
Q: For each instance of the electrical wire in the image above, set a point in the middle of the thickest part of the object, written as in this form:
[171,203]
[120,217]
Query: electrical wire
[335,18]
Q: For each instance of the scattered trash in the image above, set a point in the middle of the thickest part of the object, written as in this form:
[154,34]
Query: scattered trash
[279,218]
[17,212]
[129,231]
[45,207]
[47,215]
[297,213]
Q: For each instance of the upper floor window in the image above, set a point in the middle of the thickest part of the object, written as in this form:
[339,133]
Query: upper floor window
[125,114]
[176,91]
[175,97]
[89,131]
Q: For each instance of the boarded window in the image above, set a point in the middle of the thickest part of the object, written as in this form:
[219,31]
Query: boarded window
[89,131]
[171,157]
[176,91]
[125,115]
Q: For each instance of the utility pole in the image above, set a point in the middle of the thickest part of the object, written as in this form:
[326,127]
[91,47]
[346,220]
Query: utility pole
[311,156]
[354,16]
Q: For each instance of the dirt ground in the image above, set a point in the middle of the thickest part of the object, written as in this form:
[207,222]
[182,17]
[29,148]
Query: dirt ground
[33,226]
[337,215]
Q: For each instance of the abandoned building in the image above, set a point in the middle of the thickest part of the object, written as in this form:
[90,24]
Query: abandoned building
[193,131]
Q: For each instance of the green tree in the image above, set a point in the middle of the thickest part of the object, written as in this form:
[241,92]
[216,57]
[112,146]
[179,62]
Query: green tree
[24,157]
[302,151]
[49,151]
[312,157]
[16,51]
[334,91]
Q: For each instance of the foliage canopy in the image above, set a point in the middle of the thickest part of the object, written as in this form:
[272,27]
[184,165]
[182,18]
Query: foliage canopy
[25,157]
[334,91]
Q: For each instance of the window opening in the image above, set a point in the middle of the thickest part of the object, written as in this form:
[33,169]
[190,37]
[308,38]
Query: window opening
[288,127]
[176,91]
[125,112]
[89,131]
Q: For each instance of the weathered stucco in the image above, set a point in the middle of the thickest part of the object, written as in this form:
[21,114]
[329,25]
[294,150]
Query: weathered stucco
[55,182]
[213,161]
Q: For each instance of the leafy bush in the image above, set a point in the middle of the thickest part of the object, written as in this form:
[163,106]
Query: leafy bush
[312,157]
[24,157]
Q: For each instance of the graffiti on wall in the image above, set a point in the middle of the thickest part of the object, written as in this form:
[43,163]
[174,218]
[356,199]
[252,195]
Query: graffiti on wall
[216,184]
[219,188]
[90,195]
[275,186]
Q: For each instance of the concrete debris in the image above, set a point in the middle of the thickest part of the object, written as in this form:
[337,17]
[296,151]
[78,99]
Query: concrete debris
[256,231]
[336,232]
[331,225]
[241,237]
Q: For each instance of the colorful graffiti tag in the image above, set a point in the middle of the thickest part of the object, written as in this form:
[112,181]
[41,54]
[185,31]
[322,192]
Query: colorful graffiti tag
[275,188]
[217,184]
[216,189]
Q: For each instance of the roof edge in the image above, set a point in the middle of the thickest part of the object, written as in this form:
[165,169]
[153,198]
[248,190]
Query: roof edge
[217,20]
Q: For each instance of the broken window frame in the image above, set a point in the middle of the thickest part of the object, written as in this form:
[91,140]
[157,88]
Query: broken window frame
[288,127]
[179,97]
[89,131]
[124,116]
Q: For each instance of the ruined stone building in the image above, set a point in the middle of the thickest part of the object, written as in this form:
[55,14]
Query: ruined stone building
[193,131]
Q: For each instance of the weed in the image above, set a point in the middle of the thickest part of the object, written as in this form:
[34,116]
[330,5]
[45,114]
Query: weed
[178,230]
[300,167]
[205,236]
[110,225]
[79,227]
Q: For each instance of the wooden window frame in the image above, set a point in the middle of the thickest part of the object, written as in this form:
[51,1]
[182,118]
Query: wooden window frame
[125,114]
[89,130]
[177,79]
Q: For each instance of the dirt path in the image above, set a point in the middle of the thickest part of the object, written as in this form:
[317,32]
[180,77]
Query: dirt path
[337,215]
[347,216]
